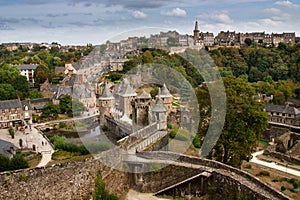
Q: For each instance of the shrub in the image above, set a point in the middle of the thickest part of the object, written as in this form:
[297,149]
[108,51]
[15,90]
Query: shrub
[283,188]
[21,142]
[248,166]
[100,191]
[296,185]
[62,125]
[173,133]
[294,190]
[196,142]
[264,173]
[11,132]
[18,162]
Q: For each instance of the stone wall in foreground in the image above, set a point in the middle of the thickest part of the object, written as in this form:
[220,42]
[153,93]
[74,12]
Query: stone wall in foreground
[69,181]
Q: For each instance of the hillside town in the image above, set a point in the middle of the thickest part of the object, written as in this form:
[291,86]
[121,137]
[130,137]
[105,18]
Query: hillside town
[84,89]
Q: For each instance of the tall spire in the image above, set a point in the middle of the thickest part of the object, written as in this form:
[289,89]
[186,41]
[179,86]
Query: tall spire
[196,26]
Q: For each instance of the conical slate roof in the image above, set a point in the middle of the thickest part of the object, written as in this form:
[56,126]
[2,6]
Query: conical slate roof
[165,93]
[127,91]
[159,106]
[144,95]
[106,94]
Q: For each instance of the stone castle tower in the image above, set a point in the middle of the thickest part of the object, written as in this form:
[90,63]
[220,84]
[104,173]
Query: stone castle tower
[158,113]
[126,96]
[167,98]
[106,102]
[141,106]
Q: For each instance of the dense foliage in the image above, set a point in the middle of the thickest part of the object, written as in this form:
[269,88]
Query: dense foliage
[260,64]
[12,83]
[51,59]
[46,61]
[88,148]
[67,105]
[17,162]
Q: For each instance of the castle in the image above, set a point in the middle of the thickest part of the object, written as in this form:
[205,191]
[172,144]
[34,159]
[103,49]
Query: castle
[134,109]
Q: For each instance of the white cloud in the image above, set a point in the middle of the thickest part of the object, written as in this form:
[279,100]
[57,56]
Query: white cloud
[216,17]
[177,12]
[287,3]
[139,14]
[273,11]
[270,22]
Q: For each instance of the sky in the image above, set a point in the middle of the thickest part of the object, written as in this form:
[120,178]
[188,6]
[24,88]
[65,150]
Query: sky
[78,22]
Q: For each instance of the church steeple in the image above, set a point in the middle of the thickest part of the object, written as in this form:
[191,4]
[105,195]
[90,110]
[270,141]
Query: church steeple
[196,33]
[196,26]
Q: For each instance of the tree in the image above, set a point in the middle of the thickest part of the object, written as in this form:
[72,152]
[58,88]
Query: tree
[18,162]
[65,105]
[7,92]
[36,48]
[244,122]
[11,132]
[35,94]
[50,110]
[21,86]
[248,41]
[9,74]
[20,143]
[4,163]
[41,74]
[77,107]
[128,65]
[147,57]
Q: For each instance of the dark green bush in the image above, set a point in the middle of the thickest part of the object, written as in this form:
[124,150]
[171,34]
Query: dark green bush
[264,173]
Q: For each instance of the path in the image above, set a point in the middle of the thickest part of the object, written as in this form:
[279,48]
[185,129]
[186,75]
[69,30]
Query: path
[273,165]
[133,195]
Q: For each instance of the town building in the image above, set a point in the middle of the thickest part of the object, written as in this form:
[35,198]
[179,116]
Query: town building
[11,113]
[28,71]
[283,114]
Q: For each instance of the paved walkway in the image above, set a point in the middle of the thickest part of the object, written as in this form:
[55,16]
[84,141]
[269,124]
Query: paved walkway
[273,165]
[30,139]
[133,195]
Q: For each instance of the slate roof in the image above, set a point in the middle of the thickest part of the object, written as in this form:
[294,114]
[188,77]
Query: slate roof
[106,94]
[27,67]
[158,106]
[127,91]
[81,91]
[5,146]
[282,109]
[165,93]
[7,104]
[144,95]
[40,100]
[63,90]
